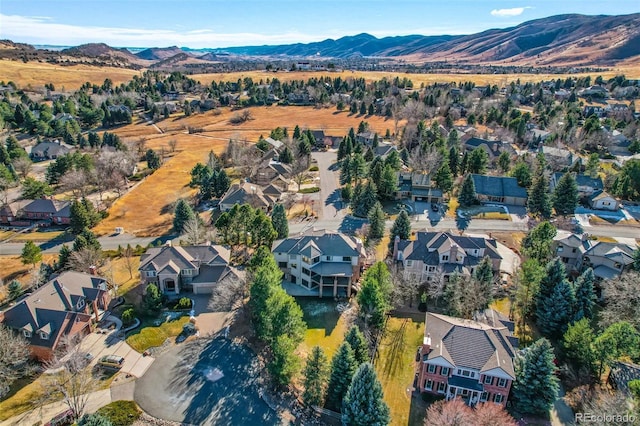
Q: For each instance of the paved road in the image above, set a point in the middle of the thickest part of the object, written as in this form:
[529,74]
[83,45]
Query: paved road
[330,199]
[206,382]
[108,243]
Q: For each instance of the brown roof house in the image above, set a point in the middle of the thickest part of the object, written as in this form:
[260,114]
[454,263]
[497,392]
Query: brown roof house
[44,208]
[472,360]
[196,269]
[66,306]
[247,193]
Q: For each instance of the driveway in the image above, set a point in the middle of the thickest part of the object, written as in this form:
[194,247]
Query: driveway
[107,344]
[205,382]
[332,205]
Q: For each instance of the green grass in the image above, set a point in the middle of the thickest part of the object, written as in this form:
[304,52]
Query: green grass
[395,367]
[149,337]
[24,394]
[310,190]
[121,413]
[325,326]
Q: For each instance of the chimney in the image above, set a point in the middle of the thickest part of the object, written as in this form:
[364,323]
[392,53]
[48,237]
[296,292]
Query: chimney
[92,269]
[495,146]
[426,344]
[396,241]
[168,243]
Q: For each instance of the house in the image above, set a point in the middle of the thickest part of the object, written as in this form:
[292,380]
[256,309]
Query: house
[595,91]
[366,138]
[492,148]
[198,269]
[271,170]
[586,184]
[325,263]
[246,193]
[46,209]
[499,189]
[538,135]
[621,374]
[418,187]
[318,137]
[49,150]
[274,143]
[558,156]
[602,200]
[579,252]
[597,110]
[11,213]
[470,359]
[439,254]
[618,144]
[384,149]
[64,307]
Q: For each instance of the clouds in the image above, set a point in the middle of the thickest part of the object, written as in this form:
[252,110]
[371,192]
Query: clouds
[515,11]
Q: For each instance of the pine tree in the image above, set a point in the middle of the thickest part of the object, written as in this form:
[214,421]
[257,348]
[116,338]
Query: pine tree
[454,160]
[555,273]
[183,213]
[345,171]
[393,159]
[376,222]
[79,217]
[153,159]
[279,221]
[31,253]
[375,170]
[388,183]
[556,311]
[537,243]
[522,173]
[539,202]
[504,161]
[316,373]
[467,196]
[63,258]
[15,289]
[362,203]
[86,239]
[478,160]
[585,295]
[484,275]
[444,178]
[343,366]
[578,346]
[371,302]
[636,259]
[363,403]
[536,385]
[286,156]
[401,226]
[152,300]
[358,343]
[565,195]
[284,363]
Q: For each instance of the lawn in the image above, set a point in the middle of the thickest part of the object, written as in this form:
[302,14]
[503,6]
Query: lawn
[117,268]
[28,392]
[149,337]
[453,206]
[395,365]
[38,236]
[326,327]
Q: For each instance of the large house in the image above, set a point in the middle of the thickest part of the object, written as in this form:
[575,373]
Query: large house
[64,307]
[439,254]
[248,193]
[500,189]
[491,147]
[328,263]
[271,171]
[418,187]
[49,150]
[579,252]
[24,212]
[186,268]
[469,359]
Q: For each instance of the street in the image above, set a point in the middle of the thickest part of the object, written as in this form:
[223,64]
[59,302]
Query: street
[107,243]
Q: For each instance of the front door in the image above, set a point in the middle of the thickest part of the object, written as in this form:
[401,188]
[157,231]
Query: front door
[170,285]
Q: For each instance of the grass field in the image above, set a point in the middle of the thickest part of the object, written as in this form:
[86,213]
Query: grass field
[13,269]
[325,326]
[149,337]
[28,393]
[37,74]
[395,365]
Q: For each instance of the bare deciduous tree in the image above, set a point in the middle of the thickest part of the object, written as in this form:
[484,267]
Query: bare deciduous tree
[622,300]
[14,358]
[194,231]
[127,255]
[141,146]
[229,294]
[405,288]
[75,181]
[23,166]
[84,258]
[173,144]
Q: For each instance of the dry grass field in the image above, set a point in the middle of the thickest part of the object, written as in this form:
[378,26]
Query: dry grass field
[146,210]
[37,74]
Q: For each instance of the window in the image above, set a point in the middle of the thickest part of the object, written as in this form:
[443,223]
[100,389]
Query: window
[466,373]
[428,385]
[26,333]
[306,271]
[282,264]
[409,263]
[444,371]
[618,265]
[316,259]
[44,336]
[574,250]
[484,397]
[441,387]
[151,273]
[346,258]
[187,271]
[497,398]
[560,249]
[305,283]
[445,257]
[294,266]
[488,380]
[431,369]
[431,268]
[305,259]
[80,304]
[327,258]
[502,383]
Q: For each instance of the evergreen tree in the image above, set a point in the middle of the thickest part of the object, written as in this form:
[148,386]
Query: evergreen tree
[539,202]
[478,161]
[152,301]
[522,173]
[388,184]
[15,289]
[555,273]
[484,272]
[86,240]
[31,254]
[343,366]
[462,169]
[94,419]
[618,340]
[578,346]
[363,202]
[565,195]
[286,156]
[375,170]
[454,160]
[536,385]
[358,343]
[401,226]
[371,302]
[444,178]
[345,171]
[358,167]
[284,363]
[467,196]
[636,259]
[376,222]
[504,161]
[585,295]
[79,217]
[556,311]
[182,214]
[63,258]
[363,403]
[393,159]
[279,221]
[153,159]
[316,373]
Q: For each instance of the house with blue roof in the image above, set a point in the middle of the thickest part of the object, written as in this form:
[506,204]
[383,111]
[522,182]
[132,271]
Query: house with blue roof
[499,189]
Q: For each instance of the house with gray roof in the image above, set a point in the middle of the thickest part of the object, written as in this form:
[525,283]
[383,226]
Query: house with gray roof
[469,359]
[492,147]
[499,189]
[435,255]
[418,187]
[246,193]
[65,307]
[49,150]
[579,252]
[587,185]
[45,209]
[558,158]
[178,269]
[320,263]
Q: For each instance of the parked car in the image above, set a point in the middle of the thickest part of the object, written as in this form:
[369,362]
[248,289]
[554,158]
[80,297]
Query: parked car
[63,419]
[111,362]
[435,207]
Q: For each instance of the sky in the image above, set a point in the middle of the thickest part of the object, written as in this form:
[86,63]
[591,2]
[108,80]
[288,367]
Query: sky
[225,23]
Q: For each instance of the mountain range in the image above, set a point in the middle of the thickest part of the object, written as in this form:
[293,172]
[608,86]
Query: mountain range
[553,41]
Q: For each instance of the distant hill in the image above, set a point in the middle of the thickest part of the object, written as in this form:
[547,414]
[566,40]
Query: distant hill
[159,53]
[97,50]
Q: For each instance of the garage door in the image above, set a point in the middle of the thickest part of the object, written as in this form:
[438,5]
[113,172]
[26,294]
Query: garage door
[202,289]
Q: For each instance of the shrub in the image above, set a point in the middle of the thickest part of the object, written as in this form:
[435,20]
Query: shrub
[313,169]
[183,303]
[121,413]
[309,190]
[127,317]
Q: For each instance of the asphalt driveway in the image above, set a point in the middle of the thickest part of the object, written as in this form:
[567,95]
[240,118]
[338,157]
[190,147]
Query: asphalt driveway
[205,382]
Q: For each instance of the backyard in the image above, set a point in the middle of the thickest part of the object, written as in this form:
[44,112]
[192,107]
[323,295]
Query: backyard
[149,335]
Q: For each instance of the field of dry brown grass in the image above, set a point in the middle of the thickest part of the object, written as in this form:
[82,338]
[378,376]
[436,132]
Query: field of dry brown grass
[13,269]
[146,210]
[37,74]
